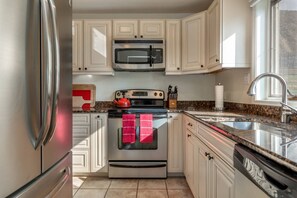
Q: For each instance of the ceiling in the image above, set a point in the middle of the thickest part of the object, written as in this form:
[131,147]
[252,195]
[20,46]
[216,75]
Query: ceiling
[140,6]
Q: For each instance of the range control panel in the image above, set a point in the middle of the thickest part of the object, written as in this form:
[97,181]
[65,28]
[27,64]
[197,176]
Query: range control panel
[140,94]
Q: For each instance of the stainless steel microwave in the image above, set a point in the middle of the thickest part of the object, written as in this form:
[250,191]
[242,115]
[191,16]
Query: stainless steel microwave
[138,55]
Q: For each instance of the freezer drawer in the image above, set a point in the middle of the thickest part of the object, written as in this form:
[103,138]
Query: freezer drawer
[56,182]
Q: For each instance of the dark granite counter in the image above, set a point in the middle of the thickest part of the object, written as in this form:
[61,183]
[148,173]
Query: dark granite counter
[265,143]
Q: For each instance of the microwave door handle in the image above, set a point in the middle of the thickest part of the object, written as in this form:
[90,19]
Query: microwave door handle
[151,56]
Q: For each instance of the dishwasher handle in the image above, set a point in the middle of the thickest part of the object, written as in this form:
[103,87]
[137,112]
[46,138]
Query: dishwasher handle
[274,179]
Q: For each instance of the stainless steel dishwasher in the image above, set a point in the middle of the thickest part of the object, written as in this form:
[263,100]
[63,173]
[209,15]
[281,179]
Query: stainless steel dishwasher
[273,179]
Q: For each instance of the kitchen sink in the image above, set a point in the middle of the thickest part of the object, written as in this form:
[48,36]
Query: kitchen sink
[253,126]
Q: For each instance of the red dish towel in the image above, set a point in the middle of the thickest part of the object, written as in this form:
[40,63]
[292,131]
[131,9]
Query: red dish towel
[129,125]
[146,128]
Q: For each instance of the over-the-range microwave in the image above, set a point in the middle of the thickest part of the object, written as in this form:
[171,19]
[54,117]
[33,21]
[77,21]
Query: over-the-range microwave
[139,55]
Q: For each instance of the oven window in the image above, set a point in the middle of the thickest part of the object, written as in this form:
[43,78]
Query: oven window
[132,56]
[138,145]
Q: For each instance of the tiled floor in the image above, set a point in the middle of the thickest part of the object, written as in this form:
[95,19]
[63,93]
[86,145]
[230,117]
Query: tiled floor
[100,187]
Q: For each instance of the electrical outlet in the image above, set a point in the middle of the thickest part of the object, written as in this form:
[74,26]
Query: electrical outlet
[246,79]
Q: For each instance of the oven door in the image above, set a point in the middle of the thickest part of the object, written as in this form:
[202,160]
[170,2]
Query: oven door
[155,151]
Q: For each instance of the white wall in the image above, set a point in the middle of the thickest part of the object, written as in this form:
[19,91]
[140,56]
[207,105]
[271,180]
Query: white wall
[190,87]
[235,85]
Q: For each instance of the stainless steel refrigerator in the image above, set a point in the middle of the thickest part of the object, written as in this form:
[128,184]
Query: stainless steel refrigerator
[35,98]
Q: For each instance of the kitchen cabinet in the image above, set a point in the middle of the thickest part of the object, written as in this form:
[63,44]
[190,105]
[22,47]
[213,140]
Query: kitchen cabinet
[175,143]
[173,47]
[191,162]
[89,143]
[193,44]
[98,142]
[145,28]
[228,34]
[77,45]
[81,150]
[208,170]
[97,47]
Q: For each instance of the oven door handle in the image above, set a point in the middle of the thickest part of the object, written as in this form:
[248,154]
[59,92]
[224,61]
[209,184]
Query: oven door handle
[157,165]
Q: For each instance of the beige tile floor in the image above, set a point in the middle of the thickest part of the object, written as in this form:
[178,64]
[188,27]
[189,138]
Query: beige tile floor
[102,187]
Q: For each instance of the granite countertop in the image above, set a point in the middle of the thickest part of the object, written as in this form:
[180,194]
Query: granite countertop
[261,141]
[265,143]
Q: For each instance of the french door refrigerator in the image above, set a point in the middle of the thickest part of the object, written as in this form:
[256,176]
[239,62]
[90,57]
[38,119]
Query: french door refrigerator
[35,98]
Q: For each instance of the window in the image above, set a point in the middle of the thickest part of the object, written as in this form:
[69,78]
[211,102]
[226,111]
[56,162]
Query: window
[275,47]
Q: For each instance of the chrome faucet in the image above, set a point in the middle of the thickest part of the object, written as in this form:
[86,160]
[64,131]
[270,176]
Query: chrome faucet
[286,110]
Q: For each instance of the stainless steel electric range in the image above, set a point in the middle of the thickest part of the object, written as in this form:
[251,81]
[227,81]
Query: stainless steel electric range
[137,159]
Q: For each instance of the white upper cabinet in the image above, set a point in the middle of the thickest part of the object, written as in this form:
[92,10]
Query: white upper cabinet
[228,34]
[125,28]
[77,45]
[97,46]
[152,29]
[173,47]
[193,43]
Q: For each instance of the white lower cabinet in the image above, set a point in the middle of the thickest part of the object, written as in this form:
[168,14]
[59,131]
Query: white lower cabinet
[98,142]
[175,143]
[89,142]
[208,174]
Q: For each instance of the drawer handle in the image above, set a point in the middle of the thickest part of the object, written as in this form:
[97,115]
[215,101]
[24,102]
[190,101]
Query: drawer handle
[206,154]
[189,124]
[189,135]
[210,157]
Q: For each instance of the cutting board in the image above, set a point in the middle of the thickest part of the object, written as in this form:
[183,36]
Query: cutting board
[83,95]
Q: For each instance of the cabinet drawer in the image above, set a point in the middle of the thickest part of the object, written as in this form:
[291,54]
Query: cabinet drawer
[191,125]
[81,131]
[221,145]
[81,143]
[81,161]
[81,119]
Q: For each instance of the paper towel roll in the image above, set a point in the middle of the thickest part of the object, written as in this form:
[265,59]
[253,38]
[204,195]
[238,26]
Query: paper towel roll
[219,97]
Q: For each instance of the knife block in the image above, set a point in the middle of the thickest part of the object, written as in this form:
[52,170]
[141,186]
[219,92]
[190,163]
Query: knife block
[172,103]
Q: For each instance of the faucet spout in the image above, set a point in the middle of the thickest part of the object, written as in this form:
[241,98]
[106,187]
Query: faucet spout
[252,89]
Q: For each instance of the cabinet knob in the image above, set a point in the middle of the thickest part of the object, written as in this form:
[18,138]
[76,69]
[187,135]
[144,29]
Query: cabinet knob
[141,36]
[210,157]
[217,60]
[86,68]
[189,135]
[79,68]
[170,116]
[201,66]
[206,154]
[98,116]
[135,36]
[178,68]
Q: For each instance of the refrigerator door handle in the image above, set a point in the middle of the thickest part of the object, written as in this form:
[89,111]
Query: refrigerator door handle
[47,83]
[62,181]
[56,73]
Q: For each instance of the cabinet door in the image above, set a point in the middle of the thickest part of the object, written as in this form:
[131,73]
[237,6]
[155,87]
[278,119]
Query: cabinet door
[81,161]
[213,34]
[77,45]
[190,148]
[152,29]
[203,169]
[173,46]
[193,42]
[97,46]
[125,29]
[175,143]
[222,179]
[98,142]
